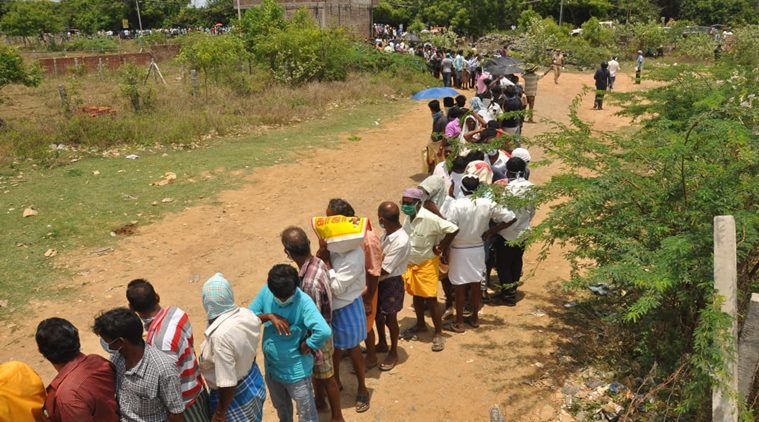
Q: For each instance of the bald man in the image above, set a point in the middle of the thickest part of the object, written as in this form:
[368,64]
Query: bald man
[395,251]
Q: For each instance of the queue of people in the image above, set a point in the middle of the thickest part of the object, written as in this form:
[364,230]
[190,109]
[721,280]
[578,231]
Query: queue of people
[309,315]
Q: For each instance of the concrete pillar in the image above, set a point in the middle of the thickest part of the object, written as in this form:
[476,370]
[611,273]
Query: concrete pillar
[748,348]
[724,396]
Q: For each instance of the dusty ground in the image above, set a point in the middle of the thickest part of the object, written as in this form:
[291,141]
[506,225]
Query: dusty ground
[238,236]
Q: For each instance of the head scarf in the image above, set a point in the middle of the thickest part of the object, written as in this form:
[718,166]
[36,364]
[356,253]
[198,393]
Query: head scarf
[413,193]
[218,296]
[481,170]
[521,153]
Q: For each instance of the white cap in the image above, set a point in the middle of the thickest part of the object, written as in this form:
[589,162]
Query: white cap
[521,153]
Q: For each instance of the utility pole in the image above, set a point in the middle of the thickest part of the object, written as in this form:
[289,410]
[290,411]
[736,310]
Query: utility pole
[139,18]
[239,13]
[561,12]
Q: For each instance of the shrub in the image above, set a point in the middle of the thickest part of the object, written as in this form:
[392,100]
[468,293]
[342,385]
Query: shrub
[540,37]
[140,96]
[742,47]
[212,54]
[637,210]
[89,44]
[698,47]
[303,52]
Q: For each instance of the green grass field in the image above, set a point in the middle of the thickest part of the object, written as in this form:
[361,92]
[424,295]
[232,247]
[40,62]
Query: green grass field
[80,209]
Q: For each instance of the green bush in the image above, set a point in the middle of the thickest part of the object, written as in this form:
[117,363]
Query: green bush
[213,55]
[635,210]
[299,51]
[743,47]
[540,37]
[364,58]
[141,97]
[89,44]
[699,47]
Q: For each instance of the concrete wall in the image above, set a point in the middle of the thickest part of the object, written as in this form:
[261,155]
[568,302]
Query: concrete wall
[353,15]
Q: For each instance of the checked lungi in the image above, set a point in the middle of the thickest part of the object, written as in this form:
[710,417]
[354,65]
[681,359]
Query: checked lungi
[248,403]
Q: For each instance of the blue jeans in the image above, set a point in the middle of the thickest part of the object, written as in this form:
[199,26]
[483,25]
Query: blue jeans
[282,397]
[446,78]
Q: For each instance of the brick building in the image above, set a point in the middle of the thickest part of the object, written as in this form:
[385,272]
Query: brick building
[353,15]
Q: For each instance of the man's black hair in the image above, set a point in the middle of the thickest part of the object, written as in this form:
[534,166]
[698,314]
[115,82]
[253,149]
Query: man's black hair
[511,91]
[459,164]
[461,100]
[119,323]
[282,280]
[489,133]
[470,183]
[57,340]
[449,102]
[475,156]
[515,165]
[141,295]
[341,207]
[296,242]
[454,113]
[434,106]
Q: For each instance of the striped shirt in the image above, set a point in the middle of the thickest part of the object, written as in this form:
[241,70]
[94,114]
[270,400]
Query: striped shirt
[171,332]
[531,84]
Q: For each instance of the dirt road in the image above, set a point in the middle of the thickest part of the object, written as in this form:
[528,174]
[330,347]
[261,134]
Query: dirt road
[508,361]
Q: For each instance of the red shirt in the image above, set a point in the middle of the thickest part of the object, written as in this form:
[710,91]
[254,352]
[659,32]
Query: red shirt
[83,391]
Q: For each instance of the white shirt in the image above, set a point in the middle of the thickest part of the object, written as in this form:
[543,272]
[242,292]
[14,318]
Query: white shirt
[442,171]
[347,277]
[613,67]
[395,249]
[456,182]
[473,217]
[229,350]
[519,187]
[425,232]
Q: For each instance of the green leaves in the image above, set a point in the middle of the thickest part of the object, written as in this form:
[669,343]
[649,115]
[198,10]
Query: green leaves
[636,208]
[13,70]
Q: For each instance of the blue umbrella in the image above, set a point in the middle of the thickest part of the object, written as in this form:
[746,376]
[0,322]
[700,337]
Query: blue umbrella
[434,93]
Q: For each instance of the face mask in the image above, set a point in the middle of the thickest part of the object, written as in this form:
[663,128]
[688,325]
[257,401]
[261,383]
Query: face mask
[107,346]
[285,302]
[409,209]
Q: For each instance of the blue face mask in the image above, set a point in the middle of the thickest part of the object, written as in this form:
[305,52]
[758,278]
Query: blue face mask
[283,303]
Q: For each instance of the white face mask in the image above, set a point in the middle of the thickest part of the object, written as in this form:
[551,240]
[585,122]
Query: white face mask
[107,346]
[284,302]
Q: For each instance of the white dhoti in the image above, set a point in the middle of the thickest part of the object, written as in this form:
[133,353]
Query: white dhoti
[466,264]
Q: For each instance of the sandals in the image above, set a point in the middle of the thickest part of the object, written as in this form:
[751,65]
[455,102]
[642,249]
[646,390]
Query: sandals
[472,323]
[453,328]
[387,366]
[362,402]
[438,343]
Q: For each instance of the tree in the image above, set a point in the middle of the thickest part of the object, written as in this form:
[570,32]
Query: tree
[637,210]
[259,22]
[708,12]
[212,54]
[31,18]
[91,16]
[13,70]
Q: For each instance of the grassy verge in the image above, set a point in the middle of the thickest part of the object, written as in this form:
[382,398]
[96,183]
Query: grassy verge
[236,103]
[80,204]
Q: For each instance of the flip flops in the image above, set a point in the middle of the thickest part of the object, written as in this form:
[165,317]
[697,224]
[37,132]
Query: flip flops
[362,402]
[438,343]
[472,323]
[453,328]
[387,366]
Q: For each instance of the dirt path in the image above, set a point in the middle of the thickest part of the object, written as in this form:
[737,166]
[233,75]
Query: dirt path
[238,236]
